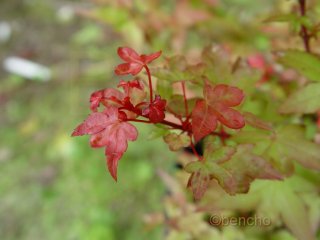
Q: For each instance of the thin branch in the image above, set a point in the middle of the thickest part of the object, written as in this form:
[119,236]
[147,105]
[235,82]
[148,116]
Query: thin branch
[194,149]
[150,82]
[223,135]
[171,124]
[137,120]
[185,98]
[304,31]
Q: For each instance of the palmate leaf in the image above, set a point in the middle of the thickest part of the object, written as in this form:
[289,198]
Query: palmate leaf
[217,106]
[177,69]
[292,144]
[133,61]
[287,144]
[233,169]
[170,75]
[306,64]
[108,131]
[305,100]
[242,169]
[174,71]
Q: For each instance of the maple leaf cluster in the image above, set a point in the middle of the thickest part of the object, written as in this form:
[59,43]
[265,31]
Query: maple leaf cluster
[111,127]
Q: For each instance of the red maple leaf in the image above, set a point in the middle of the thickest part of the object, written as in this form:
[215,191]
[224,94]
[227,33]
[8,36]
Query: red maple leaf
[133,61]
[155,110]
[107,130]
[107,97]
[216,106]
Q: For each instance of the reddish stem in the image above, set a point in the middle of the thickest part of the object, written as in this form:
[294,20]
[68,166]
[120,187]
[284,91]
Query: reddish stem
[304,32]
[174,125]
[185,98]
[223,135]
[183,127]
[165,122]
[138,120]
[194,149]
[150,82]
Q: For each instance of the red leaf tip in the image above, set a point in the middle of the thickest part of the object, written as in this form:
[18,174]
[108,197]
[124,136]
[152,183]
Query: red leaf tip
[133,61]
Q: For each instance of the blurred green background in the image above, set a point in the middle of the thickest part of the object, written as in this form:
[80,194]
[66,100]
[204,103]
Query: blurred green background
[53,186]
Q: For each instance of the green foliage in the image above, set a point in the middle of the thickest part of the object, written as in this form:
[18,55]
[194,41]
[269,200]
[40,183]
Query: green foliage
[302,101]
[298,148]
[276,147]
[305,63]
[292,19]
[283,200]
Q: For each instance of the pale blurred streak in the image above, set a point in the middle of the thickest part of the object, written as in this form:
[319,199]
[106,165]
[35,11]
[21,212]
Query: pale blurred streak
[27,69]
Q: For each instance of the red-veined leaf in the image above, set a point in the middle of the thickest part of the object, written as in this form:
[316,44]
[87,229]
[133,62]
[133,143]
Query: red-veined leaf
[128,54]
[223,94]
[108,131]
[216,105]
[149,58]
[104,96]
[230,117]
[128,68]
[134,61]
[204,120]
